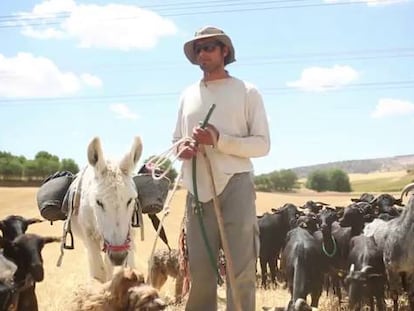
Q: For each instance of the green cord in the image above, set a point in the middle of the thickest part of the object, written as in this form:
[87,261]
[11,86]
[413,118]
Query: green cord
[330,255]
[198,208]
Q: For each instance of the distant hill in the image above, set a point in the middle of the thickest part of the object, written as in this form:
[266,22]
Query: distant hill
[389,164]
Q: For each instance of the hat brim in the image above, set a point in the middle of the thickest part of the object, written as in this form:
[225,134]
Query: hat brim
[192,57]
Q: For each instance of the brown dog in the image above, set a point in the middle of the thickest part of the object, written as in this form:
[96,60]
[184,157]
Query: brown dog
[166,263]
[144,297]
[126,291]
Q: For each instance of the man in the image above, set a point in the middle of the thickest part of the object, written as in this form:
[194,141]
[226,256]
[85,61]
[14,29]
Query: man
[237,131]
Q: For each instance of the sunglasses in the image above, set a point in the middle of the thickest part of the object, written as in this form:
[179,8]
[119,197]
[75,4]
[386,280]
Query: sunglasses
[206,47]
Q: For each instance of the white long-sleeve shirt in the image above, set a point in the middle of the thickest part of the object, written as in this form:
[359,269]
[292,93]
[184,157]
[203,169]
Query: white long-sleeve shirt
[241,120]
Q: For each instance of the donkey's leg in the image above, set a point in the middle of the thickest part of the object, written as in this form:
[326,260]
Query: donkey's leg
[109,267]
[96,264]
[131,259]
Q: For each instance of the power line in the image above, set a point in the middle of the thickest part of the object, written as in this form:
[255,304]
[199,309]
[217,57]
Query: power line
[255,6]
[31,17]
[350,87]
[156,96]
[174,5]
[287,59]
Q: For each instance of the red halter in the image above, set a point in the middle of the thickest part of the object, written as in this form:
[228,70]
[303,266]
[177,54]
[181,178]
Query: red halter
[117,248]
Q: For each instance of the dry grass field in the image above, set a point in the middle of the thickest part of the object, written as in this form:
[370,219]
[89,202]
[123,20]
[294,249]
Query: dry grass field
[378,175]
[60,282]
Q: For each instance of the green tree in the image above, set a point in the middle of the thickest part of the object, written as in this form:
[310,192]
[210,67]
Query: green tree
[275,181]
[69,165]
[46,155]
[263,183]
[339,181]
[47,167]
[283,180]
[329,179]
[5,155]
[21,159]
[318,180]
[30,169]
[11,167]
[288,179]
[43,165]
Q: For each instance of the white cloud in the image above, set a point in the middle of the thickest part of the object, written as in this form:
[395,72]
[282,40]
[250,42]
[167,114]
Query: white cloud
[111,26]
[91,80]
[48,33]
[388,107]
[26,75]
[371,2]
[319,79]
[122,111]
[53,6]
[49,11]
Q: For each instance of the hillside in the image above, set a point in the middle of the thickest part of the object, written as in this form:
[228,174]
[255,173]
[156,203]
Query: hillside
[397,163]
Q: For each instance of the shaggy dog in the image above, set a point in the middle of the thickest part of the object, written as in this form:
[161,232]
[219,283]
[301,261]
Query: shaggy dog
[126,291]
[163,264]
[144,298]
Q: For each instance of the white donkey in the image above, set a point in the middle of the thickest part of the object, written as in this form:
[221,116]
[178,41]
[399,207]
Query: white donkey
[103,218]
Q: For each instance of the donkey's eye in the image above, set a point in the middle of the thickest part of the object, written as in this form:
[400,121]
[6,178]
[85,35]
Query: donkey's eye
[100,204]
[129,202]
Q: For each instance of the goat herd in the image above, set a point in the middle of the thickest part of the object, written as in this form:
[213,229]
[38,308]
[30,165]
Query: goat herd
[365,250]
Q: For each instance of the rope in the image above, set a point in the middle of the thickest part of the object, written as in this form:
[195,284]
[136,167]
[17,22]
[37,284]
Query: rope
[160,160]
[73,203]
[166,212]
[157,161]
[183,256]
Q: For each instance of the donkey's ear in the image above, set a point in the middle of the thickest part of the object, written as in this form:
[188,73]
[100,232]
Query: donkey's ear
[129,161]
[95,154]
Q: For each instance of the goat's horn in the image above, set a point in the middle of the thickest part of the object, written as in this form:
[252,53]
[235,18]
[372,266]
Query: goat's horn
[406,189]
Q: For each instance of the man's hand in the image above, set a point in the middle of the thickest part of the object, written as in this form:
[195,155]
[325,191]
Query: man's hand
[187,150]
[207,136]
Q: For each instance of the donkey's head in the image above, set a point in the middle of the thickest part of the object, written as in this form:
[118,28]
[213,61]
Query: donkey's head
[112,197]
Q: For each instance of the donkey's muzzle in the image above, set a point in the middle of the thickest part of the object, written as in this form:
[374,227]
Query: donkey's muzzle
[117,257]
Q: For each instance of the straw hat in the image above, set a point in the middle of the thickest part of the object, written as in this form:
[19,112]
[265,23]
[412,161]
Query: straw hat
[209,32]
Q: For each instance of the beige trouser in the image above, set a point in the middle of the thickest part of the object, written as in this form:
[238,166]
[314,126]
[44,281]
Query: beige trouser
[237,203]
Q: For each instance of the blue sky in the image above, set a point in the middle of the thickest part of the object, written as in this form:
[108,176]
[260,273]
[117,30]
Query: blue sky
[337,77]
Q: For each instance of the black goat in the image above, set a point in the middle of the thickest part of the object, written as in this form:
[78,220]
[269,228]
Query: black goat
[273,229]
[25,252]
[12,226]
[366,278]
[302,263]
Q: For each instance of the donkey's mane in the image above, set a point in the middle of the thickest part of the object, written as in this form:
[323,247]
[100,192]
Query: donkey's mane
[112,173]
